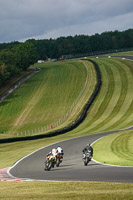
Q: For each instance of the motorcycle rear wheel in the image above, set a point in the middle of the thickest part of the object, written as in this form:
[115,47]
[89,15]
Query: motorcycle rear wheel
[57,162]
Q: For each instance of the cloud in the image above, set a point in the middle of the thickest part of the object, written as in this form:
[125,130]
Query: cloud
[91,28]
[23,19]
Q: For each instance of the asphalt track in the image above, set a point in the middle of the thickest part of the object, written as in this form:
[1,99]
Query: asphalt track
[72,168]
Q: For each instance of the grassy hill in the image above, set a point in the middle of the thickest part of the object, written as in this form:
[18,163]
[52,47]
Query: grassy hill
[55,95]
[113,107]
[112,110]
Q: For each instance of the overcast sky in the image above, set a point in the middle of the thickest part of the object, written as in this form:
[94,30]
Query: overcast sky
[44,19]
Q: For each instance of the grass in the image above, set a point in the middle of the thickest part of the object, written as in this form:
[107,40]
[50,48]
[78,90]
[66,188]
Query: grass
[13,80]
[46,97]
[117,100]
[128,53]
[112,108]
[66,190]
[116,149]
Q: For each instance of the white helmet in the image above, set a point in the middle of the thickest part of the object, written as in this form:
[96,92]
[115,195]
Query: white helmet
[54,151]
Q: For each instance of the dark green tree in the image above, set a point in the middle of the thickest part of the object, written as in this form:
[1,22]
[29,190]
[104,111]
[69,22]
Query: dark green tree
[25,55]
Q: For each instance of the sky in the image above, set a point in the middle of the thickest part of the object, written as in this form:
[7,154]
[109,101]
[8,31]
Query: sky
[21,20]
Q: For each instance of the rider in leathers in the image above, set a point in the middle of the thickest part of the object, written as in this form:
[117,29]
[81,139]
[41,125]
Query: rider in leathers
[59,150]
[87,148]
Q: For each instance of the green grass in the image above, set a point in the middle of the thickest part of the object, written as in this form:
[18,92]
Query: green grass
[116,149]
[35,102]
[66,190]
[13,80]
[46,97]
[118,97]
[128,53]
[113,108]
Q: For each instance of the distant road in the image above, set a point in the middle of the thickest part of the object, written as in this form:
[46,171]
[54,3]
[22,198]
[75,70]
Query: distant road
[126,57]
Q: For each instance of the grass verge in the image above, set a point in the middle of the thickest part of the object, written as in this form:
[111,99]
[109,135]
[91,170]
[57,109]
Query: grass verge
[66,190]
[11,152]
[115,149]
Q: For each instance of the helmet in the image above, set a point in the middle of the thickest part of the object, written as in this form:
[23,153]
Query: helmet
[54,151]
[87,145]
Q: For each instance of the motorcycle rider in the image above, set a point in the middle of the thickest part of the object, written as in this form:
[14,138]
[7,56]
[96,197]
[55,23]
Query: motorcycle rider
[55,152]
[52,153]
[88,148]
[59,156]
[59,150]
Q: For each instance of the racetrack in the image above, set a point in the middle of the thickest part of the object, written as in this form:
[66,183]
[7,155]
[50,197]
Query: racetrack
[72,167]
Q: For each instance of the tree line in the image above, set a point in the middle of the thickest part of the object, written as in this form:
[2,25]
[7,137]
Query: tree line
[16,56]
[83,44]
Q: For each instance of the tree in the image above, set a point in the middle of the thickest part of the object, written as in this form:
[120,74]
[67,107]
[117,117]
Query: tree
[16,59]
[4,74]
[25,55]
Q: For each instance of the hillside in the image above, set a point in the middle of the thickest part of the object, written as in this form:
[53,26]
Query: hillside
[54,97]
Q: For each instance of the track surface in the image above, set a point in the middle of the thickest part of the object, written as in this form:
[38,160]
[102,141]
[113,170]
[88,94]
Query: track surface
[72,168]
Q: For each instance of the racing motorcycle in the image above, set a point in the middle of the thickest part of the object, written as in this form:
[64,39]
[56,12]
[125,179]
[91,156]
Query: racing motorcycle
[50,162]
[59,159]
[87,157]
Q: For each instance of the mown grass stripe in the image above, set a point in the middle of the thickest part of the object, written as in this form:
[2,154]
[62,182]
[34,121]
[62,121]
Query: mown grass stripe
[115,149]
[101,101]
[120,146]
[81,100]
[111,109]
[106,106]
[121,84]
[124,106]
[93,112]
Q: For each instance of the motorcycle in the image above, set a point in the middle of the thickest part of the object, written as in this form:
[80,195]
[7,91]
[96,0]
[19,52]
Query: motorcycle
[59,159]
[50,162]
[87,157]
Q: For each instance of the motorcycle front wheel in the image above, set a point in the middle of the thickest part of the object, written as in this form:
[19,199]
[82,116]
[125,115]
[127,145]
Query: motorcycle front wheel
[86,161]
[48,166]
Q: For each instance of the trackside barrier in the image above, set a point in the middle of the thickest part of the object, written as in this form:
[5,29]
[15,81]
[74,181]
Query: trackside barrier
[71,126]
[95,53]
